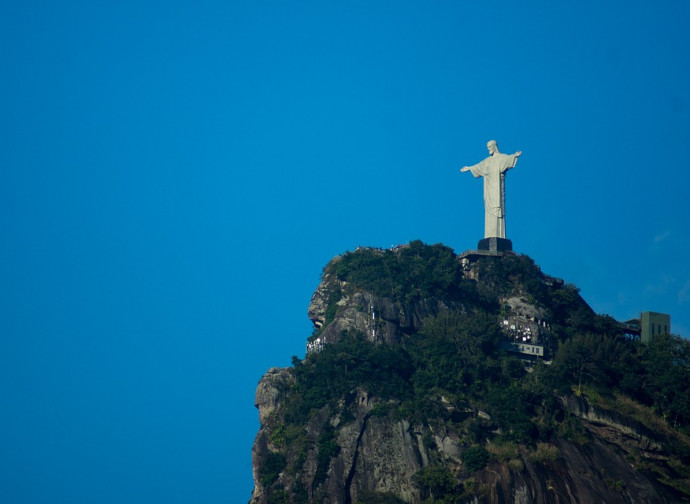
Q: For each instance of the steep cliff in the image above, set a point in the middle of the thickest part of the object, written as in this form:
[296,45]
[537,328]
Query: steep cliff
[437,378]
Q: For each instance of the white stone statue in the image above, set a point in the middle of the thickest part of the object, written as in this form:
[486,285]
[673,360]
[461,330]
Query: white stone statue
[494,169]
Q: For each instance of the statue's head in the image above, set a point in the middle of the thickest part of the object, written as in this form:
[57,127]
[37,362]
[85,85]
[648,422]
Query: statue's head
[492,146]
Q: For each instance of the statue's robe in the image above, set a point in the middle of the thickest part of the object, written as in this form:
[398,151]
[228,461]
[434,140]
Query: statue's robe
[493,169]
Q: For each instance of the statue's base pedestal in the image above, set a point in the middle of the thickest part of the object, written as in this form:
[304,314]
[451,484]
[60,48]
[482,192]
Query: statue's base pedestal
[495,245]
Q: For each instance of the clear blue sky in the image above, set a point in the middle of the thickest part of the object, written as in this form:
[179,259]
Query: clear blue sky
[174,175]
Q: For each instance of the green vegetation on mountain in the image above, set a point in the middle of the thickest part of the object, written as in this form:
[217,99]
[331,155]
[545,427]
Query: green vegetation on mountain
[417,270]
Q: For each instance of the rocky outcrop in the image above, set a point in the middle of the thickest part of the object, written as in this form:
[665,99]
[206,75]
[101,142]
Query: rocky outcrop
[382,454]
[379,453]
[382,318]
[374,453]
[270,390]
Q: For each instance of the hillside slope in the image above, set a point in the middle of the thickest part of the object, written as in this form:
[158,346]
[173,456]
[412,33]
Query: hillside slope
[437,378]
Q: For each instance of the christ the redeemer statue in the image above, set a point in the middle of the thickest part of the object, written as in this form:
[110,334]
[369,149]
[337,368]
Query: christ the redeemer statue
[493,169]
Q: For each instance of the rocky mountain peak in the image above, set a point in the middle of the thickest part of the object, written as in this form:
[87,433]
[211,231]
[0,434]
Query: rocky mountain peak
[433,377]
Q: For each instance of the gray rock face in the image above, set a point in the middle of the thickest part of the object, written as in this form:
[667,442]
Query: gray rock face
[268,392]
[381,318]
[595,472]
[375,454]
[268,395]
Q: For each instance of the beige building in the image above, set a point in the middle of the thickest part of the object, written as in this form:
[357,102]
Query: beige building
[653,324]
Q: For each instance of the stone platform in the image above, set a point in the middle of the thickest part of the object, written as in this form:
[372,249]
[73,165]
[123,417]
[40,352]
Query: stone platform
[495,245]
